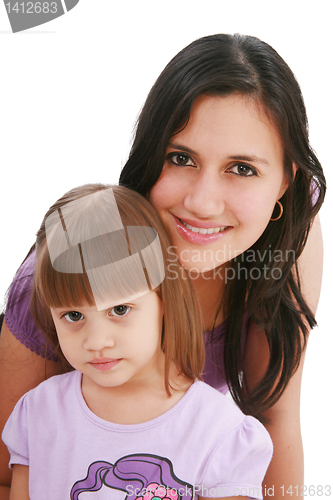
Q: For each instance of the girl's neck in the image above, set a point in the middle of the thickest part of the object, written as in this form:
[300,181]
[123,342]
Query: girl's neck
[131,404]
[210,288]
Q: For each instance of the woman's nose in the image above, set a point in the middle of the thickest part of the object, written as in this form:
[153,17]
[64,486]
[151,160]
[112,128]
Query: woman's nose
[205,197]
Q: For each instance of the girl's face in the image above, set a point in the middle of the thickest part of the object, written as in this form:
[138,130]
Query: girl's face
[116,346]
[222,176]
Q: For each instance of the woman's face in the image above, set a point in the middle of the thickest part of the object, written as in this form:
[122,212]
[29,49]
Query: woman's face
[222,176]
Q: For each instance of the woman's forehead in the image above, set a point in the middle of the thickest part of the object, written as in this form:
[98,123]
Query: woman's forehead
[232,125]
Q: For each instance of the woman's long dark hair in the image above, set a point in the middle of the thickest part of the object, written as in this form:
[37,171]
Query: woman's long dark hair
[222,65]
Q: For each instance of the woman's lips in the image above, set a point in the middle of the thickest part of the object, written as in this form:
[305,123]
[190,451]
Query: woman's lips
[199,233]
[104,364]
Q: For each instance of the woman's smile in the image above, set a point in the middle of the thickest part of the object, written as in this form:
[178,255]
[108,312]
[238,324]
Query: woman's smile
[199,233]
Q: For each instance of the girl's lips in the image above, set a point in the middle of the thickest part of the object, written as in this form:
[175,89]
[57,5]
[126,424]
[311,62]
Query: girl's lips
[197,238]
[104,364]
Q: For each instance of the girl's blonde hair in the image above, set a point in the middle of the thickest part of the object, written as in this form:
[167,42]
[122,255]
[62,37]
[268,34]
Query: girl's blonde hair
[182,340]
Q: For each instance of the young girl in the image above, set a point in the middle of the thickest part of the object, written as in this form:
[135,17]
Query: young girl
[134,416]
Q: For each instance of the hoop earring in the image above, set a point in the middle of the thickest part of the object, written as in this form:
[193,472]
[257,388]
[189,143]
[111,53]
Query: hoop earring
[281,211]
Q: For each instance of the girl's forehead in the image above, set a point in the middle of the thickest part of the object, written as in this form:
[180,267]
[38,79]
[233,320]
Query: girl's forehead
[121,263]
[142,301]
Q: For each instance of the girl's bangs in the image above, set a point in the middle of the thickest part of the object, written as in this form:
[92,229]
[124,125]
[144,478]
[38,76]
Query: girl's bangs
[112,271]
[56,289]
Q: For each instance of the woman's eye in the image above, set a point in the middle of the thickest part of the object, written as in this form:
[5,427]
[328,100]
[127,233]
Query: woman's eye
[73,316]
[243,170]
[119,310]
[181,159]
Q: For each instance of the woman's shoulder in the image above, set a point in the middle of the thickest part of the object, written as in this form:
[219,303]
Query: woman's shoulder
[27,268]
[17,315]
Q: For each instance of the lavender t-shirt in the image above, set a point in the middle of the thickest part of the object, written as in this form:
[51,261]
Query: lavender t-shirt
[203,446]
[23,327]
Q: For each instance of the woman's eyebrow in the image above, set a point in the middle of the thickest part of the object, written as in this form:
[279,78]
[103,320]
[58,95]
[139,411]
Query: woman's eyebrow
[254,159]
[180,147]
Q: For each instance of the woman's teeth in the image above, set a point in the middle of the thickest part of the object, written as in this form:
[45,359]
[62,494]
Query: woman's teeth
[203,230]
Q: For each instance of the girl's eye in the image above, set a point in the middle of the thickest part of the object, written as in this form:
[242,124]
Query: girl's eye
[181,159]
[243,170]
[119,310]
[73,316]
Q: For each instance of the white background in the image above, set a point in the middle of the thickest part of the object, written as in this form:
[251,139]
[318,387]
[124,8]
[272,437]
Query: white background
[71,90]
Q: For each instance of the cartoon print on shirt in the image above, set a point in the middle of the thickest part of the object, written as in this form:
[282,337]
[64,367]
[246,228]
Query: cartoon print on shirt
[139,476]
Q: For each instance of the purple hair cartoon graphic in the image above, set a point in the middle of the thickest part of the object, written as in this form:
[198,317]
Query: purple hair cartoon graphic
[139,476]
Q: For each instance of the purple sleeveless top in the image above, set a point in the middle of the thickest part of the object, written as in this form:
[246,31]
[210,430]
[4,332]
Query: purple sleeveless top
[20,322]
[18,317]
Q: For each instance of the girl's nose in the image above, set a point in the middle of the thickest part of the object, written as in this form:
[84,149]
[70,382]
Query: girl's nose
[205,197]
[99,337]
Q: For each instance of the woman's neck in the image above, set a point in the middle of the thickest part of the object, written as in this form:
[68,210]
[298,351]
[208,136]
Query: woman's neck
[210,288]
[131,404]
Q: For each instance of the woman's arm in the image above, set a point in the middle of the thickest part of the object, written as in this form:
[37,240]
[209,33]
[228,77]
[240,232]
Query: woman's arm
[20,483]
[287,465]
[20,371]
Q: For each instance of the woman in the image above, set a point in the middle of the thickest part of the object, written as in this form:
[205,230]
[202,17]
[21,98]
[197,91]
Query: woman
[221,150]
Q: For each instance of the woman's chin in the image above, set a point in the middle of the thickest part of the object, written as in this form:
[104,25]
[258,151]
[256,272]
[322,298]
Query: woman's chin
[204,270]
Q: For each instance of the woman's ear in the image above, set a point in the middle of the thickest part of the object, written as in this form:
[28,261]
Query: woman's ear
[285,183]
[284,187]
[295,168]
